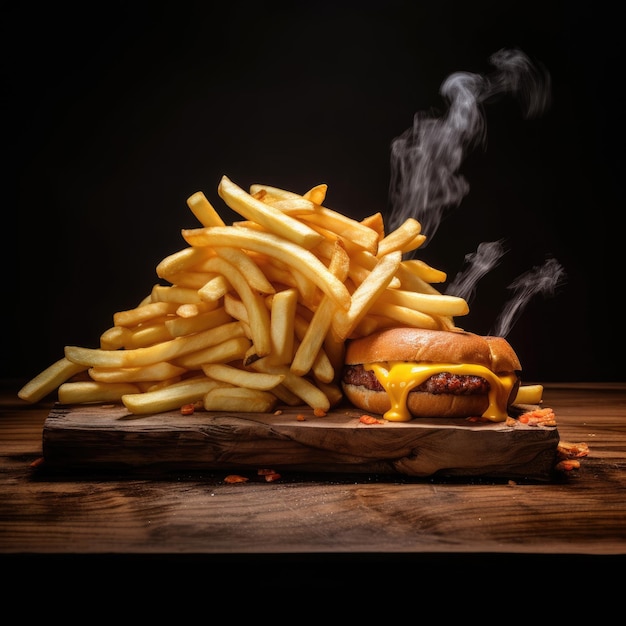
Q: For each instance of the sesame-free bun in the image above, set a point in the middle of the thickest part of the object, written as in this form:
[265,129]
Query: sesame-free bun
[437,346]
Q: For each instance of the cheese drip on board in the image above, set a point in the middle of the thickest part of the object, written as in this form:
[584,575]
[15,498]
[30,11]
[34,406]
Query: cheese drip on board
[398,378]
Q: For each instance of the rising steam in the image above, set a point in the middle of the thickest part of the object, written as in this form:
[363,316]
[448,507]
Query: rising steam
[426,158]
[539,280]
[479,263]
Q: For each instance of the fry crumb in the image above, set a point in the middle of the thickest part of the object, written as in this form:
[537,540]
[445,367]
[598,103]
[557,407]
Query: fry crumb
[300,417]
[538,417]
[568,450]
[187,409]
[567,465]
[319,412]
[278,412]
[270,478]
[369,419]
[235,478]
[37,462]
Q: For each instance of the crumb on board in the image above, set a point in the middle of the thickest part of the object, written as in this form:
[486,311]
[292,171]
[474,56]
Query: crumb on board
[370,420]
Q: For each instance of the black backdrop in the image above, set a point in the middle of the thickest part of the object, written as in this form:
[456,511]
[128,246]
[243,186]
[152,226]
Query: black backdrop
[115,116]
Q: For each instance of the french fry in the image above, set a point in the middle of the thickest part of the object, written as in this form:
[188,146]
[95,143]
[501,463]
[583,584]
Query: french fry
[232,349]
[246,265]
[319,326]
[529,394]
[242,378]
[144,313]
[258,315]
[404,316]
[347,228]
[273,219]
[282,333]
[204,210]
[298,385]
[49,379]
[317,194]
[91,391]
[432,304]
[239,400]
[115,338]
[366,294]
[180,326]
[400,238]
[181,261]
[168,398]
[147,335]
[156,371]
[276,247]
[420,269]
[165,351]
[171,293]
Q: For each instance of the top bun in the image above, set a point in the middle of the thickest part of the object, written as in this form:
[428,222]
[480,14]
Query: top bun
[444,346]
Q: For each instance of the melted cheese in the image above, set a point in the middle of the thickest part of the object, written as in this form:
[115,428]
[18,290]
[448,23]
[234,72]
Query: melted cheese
[399,377]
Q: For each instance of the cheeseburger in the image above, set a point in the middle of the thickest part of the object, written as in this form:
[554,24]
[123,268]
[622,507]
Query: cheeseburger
[404,373]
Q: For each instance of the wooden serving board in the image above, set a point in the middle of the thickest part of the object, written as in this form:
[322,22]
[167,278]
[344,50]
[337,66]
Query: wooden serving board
[93,437]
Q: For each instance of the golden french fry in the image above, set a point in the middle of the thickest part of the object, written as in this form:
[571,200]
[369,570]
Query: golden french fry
[292,206]
[332,391]
[273,219]
[189,279]
[300,386]
[216,288]
[276,247]
[180,326]
[165,351]
[366,294]
[317,194]
[282,332]
[318,328]
[417,268]
[182,261]
[170,293]
[399,238]
[529,394]
[115,338]
[242,378]
[347,228]
[432,304]
[49,379]
[154,372]
[144,313]
[147,335]
[404,316]
[258,315]
[204,210]
[240,400]
[375,222]
[246,265]
[227,350]
[90,391]
[274,193]
[169,398]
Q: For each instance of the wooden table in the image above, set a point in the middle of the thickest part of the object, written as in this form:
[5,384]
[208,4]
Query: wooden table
[341,520]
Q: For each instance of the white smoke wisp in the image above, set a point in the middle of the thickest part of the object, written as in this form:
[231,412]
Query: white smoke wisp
[544,279]
[479,263]
[426,158]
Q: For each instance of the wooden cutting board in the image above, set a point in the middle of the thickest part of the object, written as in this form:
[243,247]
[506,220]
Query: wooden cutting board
[93,437]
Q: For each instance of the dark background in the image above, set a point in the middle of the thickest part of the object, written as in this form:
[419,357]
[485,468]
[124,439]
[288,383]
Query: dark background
[115,116]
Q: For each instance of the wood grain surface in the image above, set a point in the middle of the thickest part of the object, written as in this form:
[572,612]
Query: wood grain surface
[94,437]
[191,513]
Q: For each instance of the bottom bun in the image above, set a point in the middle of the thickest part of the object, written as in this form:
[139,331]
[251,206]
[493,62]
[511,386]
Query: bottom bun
[419,403]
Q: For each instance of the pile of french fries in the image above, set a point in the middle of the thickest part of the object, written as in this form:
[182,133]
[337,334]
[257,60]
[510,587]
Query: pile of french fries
[256,314]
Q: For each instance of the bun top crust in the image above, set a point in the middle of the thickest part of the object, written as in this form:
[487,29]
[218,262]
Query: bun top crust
[444,346]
